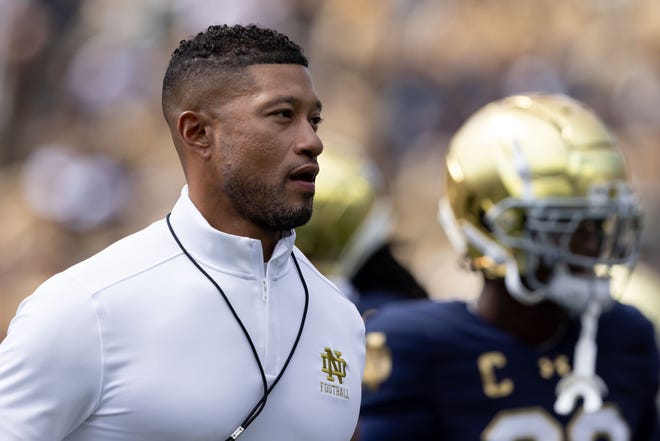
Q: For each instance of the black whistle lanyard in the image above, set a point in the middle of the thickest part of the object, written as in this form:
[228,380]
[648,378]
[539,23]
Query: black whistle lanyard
[256,410]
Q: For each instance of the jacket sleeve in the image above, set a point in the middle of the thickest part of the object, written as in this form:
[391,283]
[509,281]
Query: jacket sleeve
[50,364]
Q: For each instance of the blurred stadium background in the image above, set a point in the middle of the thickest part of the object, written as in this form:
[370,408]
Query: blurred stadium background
[85,156]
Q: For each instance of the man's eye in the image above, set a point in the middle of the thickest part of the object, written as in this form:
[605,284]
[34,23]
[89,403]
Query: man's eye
[285,113]
[316,120]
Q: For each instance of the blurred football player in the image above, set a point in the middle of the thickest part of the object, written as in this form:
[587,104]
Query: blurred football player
[348,236]
[538,200]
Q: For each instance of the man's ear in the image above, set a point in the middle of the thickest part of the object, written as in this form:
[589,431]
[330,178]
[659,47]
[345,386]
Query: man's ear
[194,130]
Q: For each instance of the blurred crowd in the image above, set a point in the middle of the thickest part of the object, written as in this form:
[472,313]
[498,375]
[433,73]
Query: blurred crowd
[86,158]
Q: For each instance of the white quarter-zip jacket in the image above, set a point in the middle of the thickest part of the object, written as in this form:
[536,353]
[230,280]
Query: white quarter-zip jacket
[136,344]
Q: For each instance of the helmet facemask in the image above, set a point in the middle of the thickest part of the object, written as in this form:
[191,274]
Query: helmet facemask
[569,249]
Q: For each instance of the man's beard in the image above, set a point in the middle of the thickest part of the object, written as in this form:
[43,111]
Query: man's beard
[267,207]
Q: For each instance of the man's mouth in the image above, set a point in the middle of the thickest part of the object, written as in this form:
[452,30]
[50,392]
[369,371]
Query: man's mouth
[306,173]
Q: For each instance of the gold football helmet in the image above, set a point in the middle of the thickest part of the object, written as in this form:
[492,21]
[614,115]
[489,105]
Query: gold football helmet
[351,216]
[537,192]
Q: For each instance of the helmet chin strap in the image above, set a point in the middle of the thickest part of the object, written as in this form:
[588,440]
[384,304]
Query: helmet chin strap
[576,293]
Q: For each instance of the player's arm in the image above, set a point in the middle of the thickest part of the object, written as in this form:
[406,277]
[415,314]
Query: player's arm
[396,400]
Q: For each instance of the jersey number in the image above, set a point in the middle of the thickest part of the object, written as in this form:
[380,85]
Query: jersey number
[535,424]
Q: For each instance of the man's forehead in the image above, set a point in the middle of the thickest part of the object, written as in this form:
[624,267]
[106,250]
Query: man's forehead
[286,83]
[271,75]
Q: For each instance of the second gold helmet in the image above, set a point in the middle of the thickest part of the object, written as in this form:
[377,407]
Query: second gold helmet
[351,215]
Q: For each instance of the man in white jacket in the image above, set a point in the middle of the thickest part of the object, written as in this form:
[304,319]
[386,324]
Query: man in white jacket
[209,324]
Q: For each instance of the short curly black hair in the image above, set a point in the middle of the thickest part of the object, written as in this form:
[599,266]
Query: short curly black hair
[223,49]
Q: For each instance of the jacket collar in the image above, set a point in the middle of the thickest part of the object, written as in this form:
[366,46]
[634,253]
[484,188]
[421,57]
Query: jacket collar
[236,255]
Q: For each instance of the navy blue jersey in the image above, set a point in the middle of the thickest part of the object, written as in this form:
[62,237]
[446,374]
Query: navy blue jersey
[435,371]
